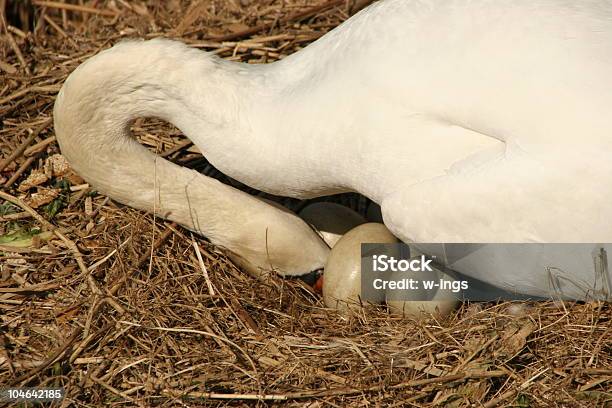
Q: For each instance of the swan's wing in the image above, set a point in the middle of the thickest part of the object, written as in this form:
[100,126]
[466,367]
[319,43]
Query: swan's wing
[516,197]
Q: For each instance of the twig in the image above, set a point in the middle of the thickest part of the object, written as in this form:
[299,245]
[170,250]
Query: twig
[74,7]
[20,250]
[60,31]
[40,24]
[211,290]
[115,391]
[475,352]
[496,401]
[15,216]
[16,31]
[8,68]
[245,317]
[87,340]
[336,391]
[144,257]
[595,371]
[56,355]
[22,147]
[17,52]
[30,290]
[99,207]
[38,147]
[194,331]
[216,395]
[594,383]
[292,18]
[183,145]
[22,168]
[159,242]
[419,366]
[27,90]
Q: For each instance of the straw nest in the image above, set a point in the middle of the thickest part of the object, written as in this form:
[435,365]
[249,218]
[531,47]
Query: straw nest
[124,309]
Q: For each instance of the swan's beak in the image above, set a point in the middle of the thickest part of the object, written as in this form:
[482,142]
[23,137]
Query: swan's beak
[331,221]
[318,286]
[314,279]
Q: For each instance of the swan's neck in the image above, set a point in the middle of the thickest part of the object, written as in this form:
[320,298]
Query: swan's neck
[208,100]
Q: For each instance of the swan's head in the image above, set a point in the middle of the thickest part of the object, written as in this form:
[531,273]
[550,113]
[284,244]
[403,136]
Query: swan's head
[269,238]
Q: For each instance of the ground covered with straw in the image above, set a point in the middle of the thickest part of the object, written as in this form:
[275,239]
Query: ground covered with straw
[123,309]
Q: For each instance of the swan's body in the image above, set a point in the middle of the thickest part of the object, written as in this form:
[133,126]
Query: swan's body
[466,120]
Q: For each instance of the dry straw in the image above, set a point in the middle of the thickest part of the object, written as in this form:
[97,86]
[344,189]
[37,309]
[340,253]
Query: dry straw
[124,310]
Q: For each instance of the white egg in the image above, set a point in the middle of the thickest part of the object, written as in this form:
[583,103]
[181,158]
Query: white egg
[342,276]
[421,302]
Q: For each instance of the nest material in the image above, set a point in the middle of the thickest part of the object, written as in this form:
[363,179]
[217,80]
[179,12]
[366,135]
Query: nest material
[121,308]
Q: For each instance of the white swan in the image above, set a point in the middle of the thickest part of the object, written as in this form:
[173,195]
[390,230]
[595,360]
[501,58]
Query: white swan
[466,120]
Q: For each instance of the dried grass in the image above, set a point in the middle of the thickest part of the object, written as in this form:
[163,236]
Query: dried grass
[116,307]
